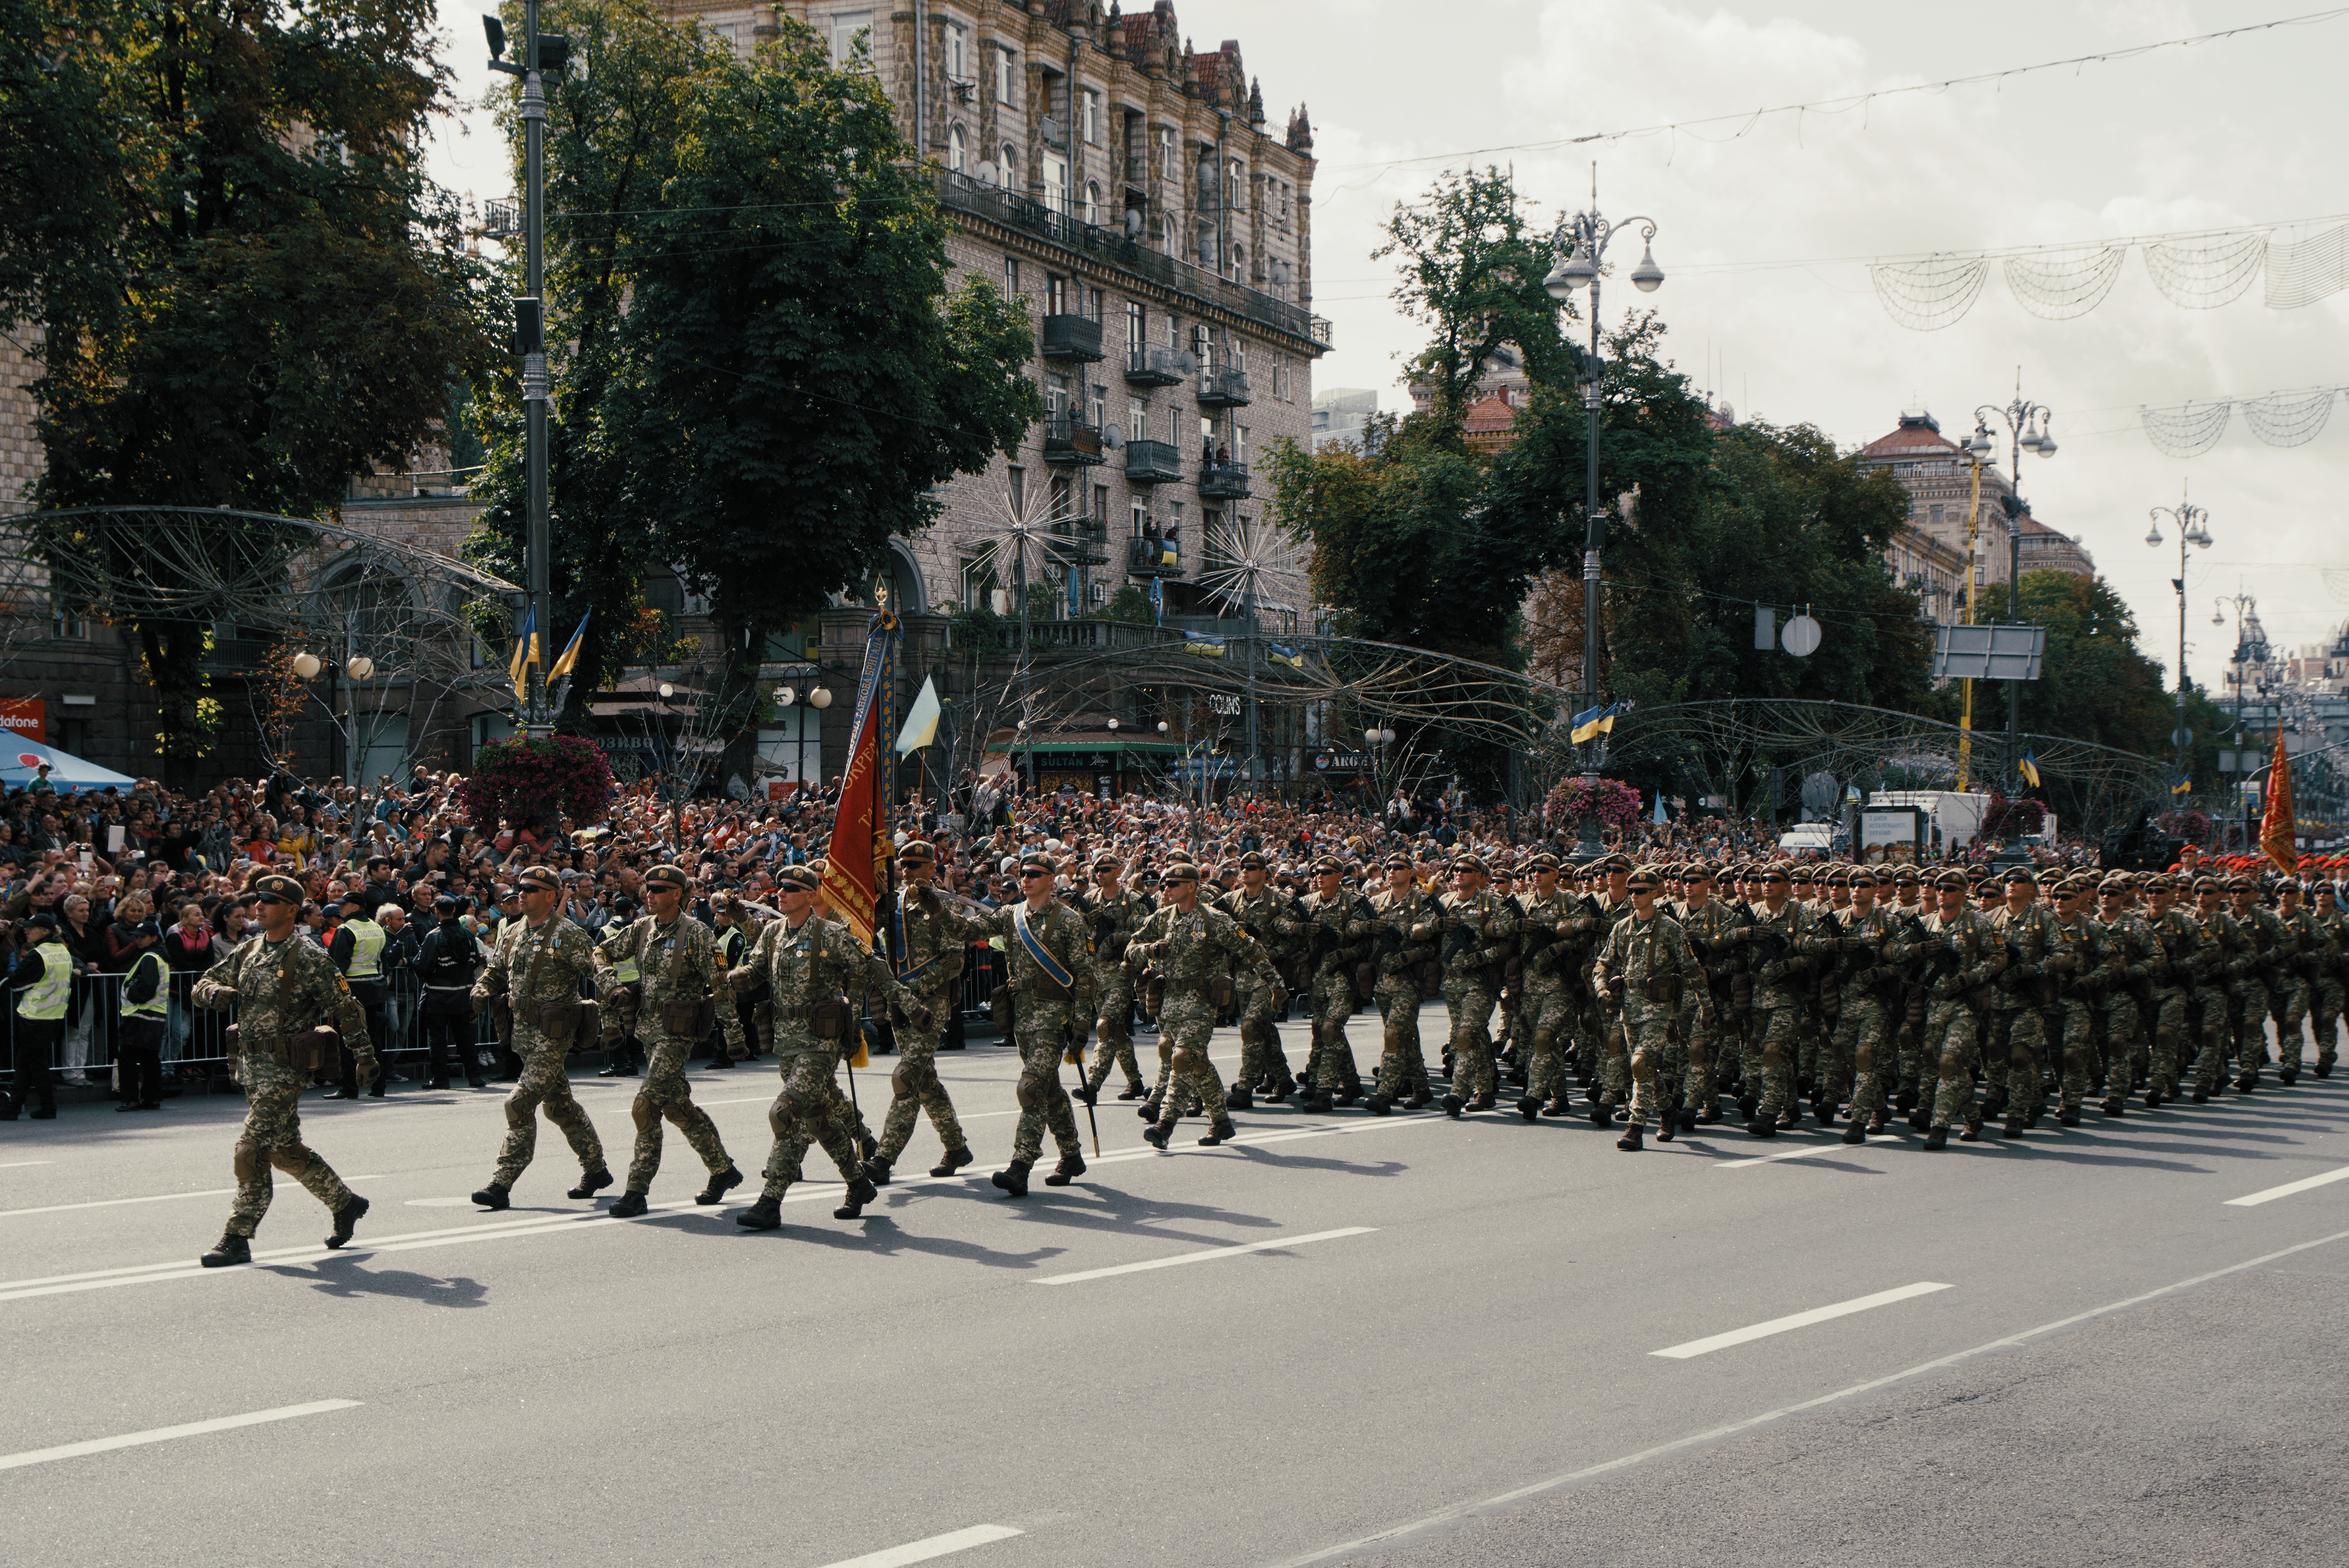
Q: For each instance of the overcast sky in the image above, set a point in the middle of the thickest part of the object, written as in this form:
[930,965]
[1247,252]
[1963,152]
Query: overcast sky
[2229,132]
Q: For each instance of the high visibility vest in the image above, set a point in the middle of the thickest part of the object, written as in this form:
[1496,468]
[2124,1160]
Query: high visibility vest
[155,1006]
[46,998]
[625,970]
[367,950]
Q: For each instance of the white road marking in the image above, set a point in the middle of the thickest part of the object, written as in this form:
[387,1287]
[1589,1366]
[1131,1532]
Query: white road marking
[441,1203]
[21,1164]
[2254,1199]
[1805,1152]
[1180,1258]
[152,1198]
[1443,1519]
[165,1434]
[1798,1319]
[935,1546]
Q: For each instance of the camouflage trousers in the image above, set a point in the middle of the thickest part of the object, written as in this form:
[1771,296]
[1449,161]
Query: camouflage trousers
[2290,999]
[1699,1028]
[1041,1029]
[729,1026]
[272,1136]
[1917,1070]
[1112,1006]
[1263,1063]
[665,1094]
[2125,1052]
[2325,1008]
[913,1085]
[811,1109]
[2073,1042]
[1648,1028]
[1470,1000]
[2207,1022]
[1403,1064]
[1184,1025]
[2168,1017]
[1863,1046]
[545,1085]
[2012,1039]
[1547,1022]
[2247,1013]
[1334,1071]
[1769,1051]
[1952,1038]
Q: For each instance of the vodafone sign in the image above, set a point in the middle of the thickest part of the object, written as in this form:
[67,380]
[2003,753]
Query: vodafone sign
[25,718]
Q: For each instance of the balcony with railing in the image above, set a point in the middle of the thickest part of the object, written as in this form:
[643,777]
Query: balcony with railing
[962,193]
[1152,462]
[1223,482]
[1073,337]
[1071,439]
[1079,543]
[1147,367]
[1222,388]
[1152,556]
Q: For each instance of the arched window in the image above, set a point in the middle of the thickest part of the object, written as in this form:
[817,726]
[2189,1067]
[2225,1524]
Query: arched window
[1093,203]
[958,151]
[1166,234]
[1010,167]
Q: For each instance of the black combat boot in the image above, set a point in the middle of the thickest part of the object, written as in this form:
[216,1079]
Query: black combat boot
[767,1214]
[955,1158]
[1631,1141]
[346,1219]
[877,1171]
[1452,1105]
[590,1183]
[1762,1126]
[1939,1138]
[231,1249]
[629,1204]
[1013,1178]
[1378,1102]
[1314,1103]
[1155,1134]
[1529,1107]
[1855,1133]
[1148,1109]
[721,1183]
[1132,1092]
[1218,1130]
[861,1192]
[1072,1165]
[493,1196]
[1238,1099]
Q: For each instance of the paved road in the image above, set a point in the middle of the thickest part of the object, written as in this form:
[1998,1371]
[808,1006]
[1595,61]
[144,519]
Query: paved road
[1442,1348]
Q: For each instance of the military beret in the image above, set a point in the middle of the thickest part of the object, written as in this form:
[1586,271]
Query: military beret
[281,887]
[667,876]
[1329,865]
[1697,872]
[1617,863]
[1398,861]
[1906,877]
[2209,885]
[1645,880]
[919,851]
[1474,863]
[2241,884]
[1540,860]
[539,877]
[1254,860]
[2288,884]
[1952,878]
[1037,860]
[2021,874]
[1772,874]
[804,879]
[1108,862]
[1179,871]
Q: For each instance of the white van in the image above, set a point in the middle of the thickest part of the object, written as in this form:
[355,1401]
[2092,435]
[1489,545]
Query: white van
[1808,838]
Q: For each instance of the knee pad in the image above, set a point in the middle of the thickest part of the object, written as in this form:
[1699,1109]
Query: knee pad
[1030,1092]
[782,1118]
[1545,1041]
[248,1162]
[644,1112]
[1185,1060]
[905,1080]
[518,1111]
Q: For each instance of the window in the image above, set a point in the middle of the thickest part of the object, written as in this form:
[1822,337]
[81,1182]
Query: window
[1010,166]
[1016,479]
[1010,274]
[957,53]
[1279,377]
[1165,235]
[1203,348]
[1093,303]
[1056,394]
[849,30]
[977,582]
[1101,407]
[1166,152]
[1101,506]
[1065,499]
[1141,519]
[1136,323]
[1137,418]
[66,623]
[1235,183]
[958,155]
[1005,75]
[1089,116]
[1240,445]
[1934,513]
[1093,203]
[1056,184]
[1056,295]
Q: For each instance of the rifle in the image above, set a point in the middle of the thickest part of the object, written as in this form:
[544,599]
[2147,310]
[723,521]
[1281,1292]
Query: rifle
[1091,1120]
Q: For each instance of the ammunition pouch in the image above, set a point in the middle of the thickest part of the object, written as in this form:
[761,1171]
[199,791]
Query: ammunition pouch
[502,1019]
[1045,989]
[999,1007]
[1154,993]
[1740,992]
[1664,989]
[762,1016]
[828,1020]
[680,1016]
[559,1021]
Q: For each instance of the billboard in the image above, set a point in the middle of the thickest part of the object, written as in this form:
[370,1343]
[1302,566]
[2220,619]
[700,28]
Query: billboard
[25,718]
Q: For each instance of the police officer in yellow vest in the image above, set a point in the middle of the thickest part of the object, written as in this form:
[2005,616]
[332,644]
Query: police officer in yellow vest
[139,1038]
[43,982]
[356,948]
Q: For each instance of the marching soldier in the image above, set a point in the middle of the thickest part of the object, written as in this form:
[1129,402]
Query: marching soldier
[1045,941]
[2293,989]
[1549,923]
[807,962]
[1189,947]
[2224,958]
[1270,917]
[2131,950]
[281,982]
[2269,947]
[931,939]
[678,960]
[1775,944]
[2014,1050]
[2326,988]
[1408,923]
[1479,935]
[1338,927]
[2078,957]
[1641,971]
[1110,912]
[1869,953]
[1707,1019]
[2179,955]
[1967,953]
[537,966]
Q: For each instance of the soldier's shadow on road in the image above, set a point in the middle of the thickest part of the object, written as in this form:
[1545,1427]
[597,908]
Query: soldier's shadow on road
[1109,1209]
[880,1235]
[1319,1162]
[350,1278]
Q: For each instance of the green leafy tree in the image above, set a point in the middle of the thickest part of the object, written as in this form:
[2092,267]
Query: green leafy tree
[252,290]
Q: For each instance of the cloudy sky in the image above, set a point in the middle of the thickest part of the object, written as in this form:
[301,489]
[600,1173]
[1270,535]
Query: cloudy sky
[1764,235]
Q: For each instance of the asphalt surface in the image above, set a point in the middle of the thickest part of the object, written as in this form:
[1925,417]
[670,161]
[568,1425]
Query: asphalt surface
[1442,1348]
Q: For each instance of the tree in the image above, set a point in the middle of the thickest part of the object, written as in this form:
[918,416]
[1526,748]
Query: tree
[252,290]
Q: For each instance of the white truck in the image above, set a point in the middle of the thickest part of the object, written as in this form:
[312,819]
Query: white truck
[1955,815]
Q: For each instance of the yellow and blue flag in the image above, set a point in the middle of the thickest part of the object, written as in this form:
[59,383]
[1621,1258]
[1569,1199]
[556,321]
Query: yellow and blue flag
[525,654]
[1282,653]
[2183,786]
[2029,768]
[1594,721]
[1204,644]
[569,655]
[921,720]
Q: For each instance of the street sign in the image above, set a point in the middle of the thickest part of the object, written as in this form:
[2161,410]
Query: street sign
[2181,736]
[1987,652]
[1801,636]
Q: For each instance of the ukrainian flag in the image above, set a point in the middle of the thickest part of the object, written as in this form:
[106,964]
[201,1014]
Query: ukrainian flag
[569,655]
[1594,721]
[1281,653]
[525,654]
[2184,786]
[2029,768]
[1204,645]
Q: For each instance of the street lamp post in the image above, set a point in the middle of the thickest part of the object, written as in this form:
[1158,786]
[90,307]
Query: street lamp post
[1583,237]
[2026,430]
[2193,525]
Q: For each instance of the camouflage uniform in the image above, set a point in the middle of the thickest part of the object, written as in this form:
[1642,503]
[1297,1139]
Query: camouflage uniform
[1650,967]
[1340,930]
[2178,957]
[1707,1023]
[1042,1011]
[678,963]
[1189,950]
[1869,951]
[538,968]
[1775,945]
[1968,953]
[1405,940]
[2017,1032]
[1272,918]
[930,937]
[1111,923]
[280,989]
[2294,990]
[1550,928]
[2225,956]
[2268,948]
[2077,954]
[803,966]
[1479,934]
[2326,987]
[2130,948]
